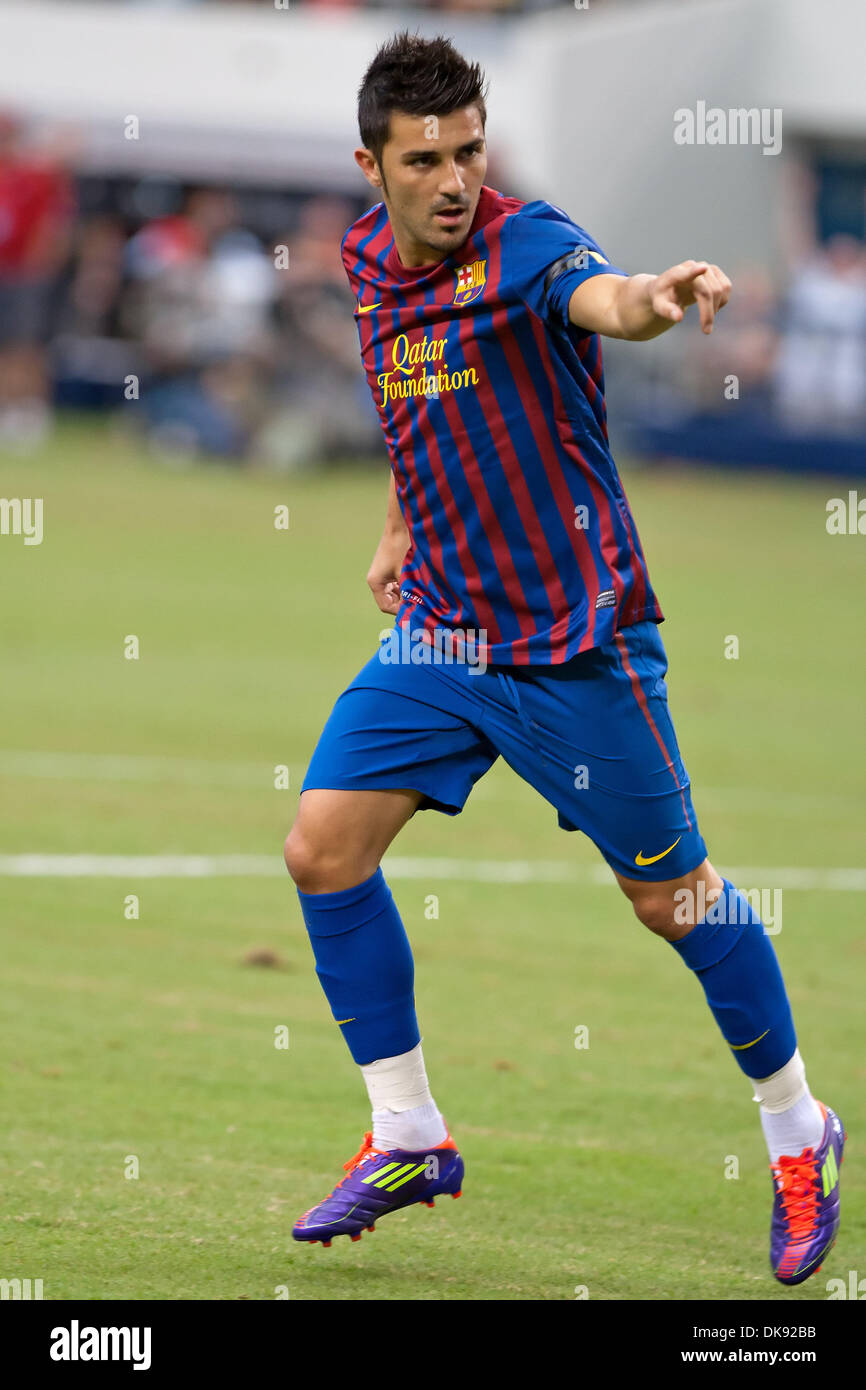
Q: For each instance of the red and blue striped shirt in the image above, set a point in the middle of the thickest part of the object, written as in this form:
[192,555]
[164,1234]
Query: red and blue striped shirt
[492,407]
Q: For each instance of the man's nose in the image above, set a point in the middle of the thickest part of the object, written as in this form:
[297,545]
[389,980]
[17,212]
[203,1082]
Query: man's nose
[452,182]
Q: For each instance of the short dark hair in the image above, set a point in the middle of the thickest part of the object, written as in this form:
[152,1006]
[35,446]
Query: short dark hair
[422,77]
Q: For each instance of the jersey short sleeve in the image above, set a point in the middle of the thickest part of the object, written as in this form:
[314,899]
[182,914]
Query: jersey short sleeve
[549,257]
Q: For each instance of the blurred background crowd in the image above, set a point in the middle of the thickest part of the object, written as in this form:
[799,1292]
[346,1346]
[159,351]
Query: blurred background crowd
[215,317]
[219,317]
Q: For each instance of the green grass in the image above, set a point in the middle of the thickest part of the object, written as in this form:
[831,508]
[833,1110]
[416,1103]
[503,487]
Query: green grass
[601,1167]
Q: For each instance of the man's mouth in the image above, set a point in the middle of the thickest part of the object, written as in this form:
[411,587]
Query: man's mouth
[449,217]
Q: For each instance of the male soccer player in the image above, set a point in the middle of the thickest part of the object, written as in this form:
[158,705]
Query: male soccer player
[526,627]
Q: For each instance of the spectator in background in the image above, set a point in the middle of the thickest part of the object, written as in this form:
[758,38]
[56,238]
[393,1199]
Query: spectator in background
[88,356]
[326,408]
[201,294]
[747,350]
[36,211]
[821,375]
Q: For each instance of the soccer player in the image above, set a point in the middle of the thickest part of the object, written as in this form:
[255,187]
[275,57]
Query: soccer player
[526,627]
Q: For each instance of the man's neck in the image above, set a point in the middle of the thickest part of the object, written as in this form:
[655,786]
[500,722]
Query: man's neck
[411,255]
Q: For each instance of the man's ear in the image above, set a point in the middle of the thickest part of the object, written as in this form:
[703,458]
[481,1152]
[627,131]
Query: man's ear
[366,162]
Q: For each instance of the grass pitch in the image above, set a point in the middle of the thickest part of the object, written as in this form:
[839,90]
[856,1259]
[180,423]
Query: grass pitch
[148,1043]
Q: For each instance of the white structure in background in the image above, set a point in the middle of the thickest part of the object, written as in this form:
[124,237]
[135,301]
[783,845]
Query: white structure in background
[581,108]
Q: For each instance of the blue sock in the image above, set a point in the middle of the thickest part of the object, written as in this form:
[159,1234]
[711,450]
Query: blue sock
[734,960]
[364,963]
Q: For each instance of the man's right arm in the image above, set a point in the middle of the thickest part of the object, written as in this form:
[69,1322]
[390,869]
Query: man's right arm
[383,576]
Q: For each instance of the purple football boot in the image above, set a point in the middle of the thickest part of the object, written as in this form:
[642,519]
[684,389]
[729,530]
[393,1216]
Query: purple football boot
[379,1181]
[806,1205]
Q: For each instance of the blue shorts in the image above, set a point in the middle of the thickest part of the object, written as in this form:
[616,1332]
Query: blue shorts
[593,736]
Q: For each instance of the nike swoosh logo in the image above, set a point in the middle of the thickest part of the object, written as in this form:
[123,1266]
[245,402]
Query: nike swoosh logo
[653,859]
[365,308]
[339,1218]
[740,1047]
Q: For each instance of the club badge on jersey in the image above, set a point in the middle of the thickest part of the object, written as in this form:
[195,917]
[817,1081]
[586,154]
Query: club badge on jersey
[471,279]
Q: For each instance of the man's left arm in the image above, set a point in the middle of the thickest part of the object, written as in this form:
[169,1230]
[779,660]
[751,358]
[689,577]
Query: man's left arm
[640,307]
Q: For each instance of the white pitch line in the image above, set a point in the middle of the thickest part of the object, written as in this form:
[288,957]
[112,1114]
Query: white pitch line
[469,870]
[141,865]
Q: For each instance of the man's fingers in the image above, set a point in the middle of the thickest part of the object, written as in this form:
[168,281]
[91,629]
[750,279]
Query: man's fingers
[707,311]
[691,282]
[684,272]
[712,291]
[388,597]
[705,298]
[724,285]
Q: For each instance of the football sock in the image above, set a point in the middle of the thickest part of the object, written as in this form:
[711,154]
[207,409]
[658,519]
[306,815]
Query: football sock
[364,963]
[398,1083]
[790,1116]
[405,1116]
[734,959]
[421,1128]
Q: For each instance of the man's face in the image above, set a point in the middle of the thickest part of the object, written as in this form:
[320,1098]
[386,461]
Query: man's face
[431,175]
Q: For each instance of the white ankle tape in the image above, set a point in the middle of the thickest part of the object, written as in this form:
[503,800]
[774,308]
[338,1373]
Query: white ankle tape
[784,1088]
[398,1083]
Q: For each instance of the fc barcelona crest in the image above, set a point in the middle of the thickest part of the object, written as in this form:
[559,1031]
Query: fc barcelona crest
[471,280]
